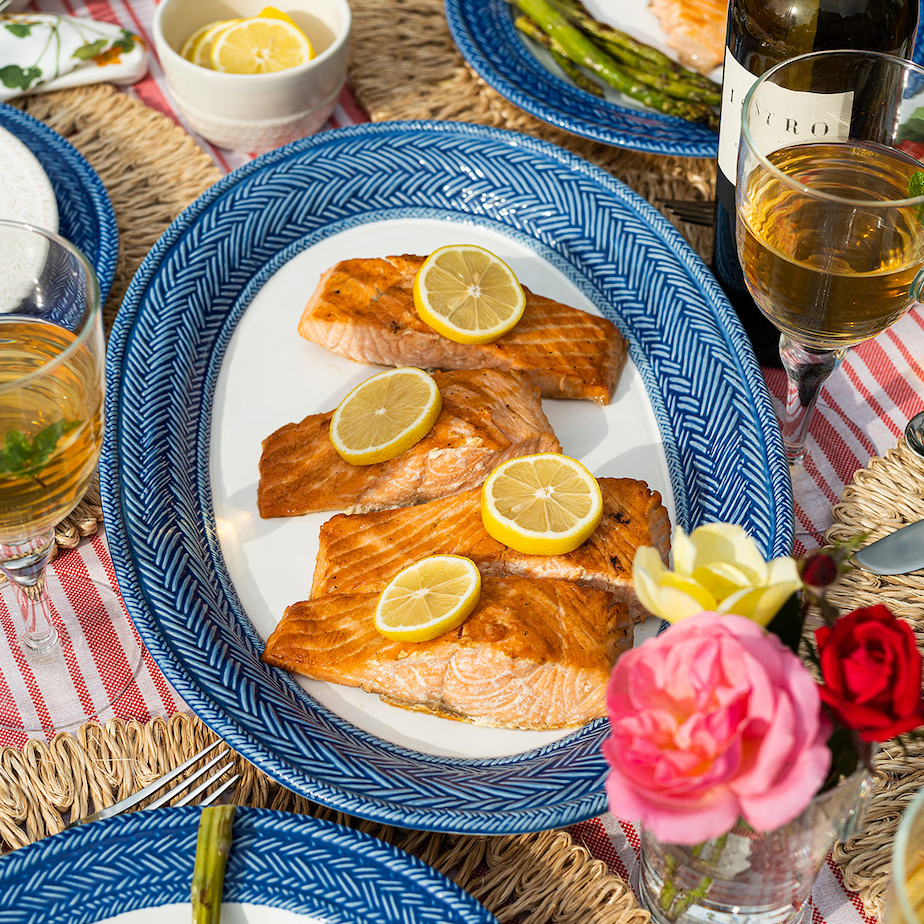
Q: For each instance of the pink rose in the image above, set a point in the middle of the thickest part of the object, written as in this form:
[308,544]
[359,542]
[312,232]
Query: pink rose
[712,720]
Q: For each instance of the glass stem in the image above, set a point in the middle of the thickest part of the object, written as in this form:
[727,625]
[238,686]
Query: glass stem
[24,565]
[806,372]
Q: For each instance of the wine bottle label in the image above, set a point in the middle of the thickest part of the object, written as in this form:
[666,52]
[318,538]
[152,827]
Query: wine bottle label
[736,81]
[781,117]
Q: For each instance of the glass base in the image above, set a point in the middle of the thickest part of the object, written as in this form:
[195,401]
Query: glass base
[47,691]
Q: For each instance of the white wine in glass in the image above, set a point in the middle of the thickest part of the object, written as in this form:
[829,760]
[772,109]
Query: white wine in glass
[829,210]
[52,374]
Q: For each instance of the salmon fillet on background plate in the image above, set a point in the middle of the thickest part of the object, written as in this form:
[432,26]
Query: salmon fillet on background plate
[364,309]
[361,553]
[487,417]
[534,654]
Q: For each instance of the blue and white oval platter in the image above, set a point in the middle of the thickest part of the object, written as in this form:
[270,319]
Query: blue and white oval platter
[205,361]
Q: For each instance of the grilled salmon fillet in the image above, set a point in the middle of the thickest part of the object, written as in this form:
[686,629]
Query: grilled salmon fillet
[695,29]
[534,654]
[364,310]
[487,417]
[362,553]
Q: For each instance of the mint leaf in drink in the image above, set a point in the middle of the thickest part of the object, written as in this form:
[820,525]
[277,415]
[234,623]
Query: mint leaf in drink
[21,456]
[916,184]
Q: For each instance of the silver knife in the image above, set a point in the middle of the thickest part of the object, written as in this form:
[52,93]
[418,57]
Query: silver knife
[897,553]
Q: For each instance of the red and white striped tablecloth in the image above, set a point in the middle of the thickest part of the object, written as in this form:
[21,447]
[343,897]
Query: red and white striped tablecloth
[861,413]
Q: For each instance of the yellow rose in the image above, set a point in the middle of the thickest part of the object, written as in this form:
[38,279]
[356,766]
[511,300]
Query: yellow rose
[717,568]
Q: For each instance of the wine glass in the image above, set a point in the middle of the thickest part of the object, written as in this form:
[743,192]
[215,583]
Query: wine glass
[52,374]
[830,204]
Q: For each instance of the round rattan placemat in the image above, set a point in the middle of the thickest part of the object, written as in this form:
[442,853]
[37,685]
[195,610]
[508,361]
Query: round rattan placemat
[885,495]
[405,65]
[151,169]
[545,875]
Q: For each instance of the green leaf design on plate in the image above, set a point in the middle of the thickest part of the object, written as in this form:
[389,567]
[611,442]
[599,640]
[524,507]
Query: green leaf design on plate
[90,50]
[21,456]
[14,77]
[19,29]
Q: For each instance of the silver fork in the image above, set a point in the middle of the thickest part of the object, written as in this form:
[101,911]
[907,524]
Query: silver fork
[158,784]
[694,211]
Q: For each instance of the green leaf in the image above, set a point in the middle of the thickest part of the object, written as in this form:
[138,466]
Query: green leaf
[16,78]
[19,29]
[90,50]
[916,184]
[126,43]
[22,456]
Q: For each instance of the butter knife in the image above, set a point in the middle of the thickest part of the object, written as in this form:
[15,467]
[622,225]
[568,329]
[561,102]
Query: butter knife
[897,553]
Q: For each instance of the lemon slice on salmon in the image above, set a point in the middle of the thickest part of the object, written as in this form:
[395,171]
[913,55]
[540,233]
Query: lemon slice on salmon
[468,294]
[429,598]
[260,45]
[385,416]
[544,504]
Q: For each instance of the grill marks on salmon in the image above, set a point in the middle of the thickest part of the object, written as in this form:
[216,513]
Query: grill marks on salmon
[364,309]
[362,553]
[695,29]
[487,417]
[535,654]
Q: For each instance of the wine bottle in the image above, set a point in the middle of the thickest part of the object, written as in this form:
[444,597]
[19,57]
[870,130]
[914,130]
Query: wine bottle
[761,33]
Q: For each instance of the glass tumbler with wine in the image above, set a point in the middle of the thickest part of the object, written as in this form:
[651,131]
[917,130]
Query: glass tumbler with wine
[830,210]
[52,374]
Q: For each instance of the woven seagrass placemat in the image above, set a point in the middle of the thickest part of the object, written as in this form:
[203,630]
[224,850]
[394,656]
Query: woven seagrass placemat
[405,65]
[545,876]
[151,169]
[885,495]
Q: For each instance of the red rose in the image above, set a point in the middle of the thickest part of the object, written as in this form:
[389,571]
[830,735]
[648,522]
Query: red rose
[871,669]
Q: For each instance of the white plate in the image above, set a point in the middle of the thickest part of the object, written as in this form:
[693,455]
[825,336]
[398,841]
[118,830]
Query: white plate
[271,376]
[26,196]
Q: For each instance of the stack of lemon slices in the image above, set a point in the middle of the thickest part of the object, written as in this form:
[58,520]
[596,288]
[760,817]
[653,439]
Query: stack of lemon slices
[259,44]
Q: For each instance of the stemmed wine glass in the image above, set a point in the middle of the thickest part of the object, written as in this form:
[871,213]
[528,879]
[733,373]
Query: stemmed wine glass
[52,374]
[830,210]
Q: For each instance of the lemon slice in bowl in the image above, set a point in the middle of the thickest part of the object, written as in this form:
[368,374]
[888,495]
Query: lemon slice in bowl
[260,45]
[429,598]
[544,504]
[188,50]
[385,416]
[468,294]
[201,41]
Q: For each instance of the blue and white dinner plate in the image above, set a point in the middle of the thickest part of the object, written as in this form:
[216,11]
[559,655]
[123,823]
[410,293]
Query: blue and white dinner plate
[85,214]
[137,869]
[521,72]
[205,362]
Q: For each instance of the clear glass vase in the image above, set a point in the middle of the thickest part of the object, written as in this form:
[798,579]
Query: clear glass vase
[746,875]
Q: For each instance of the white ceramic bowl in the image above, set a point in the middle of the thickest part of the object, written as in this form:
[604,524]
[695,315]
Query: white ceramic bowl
[255,112]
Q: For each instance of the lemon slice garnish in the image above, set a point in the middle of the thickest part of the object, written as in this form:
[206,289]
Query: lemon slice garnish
[260,45]
[429,598]
[385,415]
[544,504]
[198,47]
[468,294]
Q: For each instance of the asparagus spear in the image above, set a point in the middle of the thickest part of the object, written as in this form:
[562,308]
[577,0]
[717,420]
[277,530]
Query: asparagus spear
[584,52]
[212,849]
[529,28]
[629,50]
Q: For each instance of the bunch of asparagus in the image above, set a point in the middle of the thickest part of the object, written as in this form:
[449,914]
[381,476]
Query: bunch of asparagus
[576,40]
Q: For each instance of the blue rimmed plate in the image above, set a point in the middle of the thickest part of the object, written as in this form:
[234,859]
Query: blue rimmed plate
[85,214]
[204,362]
[137,869]
[522,72]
